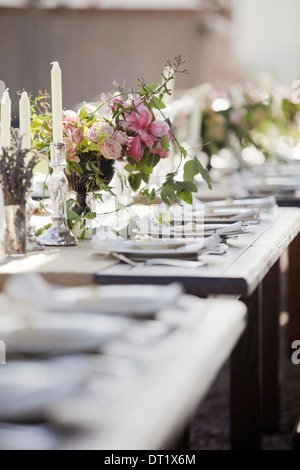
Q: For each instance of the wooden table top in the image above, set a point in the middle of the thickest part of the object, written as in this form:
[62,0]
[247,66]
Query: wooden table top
[238,272]
[151,409]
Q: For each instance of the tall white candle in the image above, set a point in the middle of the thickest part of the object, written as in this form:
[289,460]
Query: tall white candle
[5,120]
[24,114]
[56,93]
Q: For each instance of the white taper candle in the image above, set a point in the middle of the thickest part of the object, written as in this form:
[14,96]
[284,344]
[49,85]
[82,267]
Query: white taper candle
[24,115]
[56,93]
[5,120]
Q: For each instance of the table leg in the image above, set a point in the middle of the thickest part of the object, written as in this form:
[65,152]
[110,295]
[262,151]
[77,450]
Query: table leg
[246,382]
[270,347]
[293,290]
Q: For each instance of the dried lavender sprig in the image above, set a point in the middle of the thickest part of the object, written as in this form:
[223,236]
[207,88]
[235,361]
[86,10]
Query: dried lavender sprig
[16,170]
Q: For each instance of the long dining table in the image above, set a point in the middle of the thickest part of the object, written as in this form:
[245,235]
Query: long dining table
[248,271]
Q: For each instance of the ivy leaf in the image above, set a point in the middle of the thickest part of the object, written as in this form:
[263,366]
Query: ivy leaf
[130,168]
[74,166]
[135,180]
[127,232]
[145,178]
[152,87]
[83,234]
[190,170]
[193,168]
[165,143]
[90,215]
[203,172]
[188,186]
[83,113]
[186,196]
[157,103]
[168,193]
[41,230]
[183,151]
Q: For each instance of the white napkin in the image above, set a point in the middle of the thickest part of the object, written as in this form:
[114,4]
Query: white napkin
[231,228]
[147,226]
[106,240]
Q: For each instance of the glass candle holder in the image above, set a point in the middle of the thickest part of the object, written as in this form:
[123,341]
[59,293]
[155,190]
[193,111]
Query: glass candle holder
[58,234]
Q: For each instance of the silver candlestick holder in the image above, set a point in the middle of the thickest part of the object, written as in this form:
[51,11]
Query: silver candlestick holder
[33,243]
[58,234]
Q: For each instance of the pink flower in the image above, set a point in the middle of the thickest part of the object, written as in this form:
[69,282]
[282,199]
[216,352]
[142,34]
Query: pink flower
[106,129]
[93,134]
[77,135]
[70,119]
[146,138]
[111,149]
[139,119]
[115,103]
[90,108]
[71,116]
[121,137]
[158,128]
[136,148]
[160,152]
[71,150]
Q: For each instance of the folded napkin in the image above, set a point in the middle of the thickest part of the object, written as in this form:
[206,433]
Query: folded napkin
[236,227]
[106,240]
[146,226]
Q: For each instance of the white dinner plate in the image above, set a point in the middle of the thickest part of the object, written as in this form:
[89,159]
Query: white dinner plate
[158,243]
[28,437]
[112,299]
[259,203]
[55,333]
[28,387]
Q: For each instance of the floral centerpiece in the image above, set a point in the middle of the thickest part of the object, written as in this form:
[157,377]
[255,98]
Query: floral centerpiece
[247,116]
[128,126]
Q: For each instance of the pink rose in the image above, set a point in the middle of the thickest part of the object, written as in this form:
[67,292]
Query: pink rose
[121,137]
[158,128]
[77,135]
[70,118]
[111,149]
[106,129]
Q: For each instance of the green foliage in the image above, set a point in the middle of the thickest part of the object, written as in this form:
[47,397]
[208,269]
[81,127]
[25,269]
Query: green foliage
[84,135]
[135,180]
[193,168]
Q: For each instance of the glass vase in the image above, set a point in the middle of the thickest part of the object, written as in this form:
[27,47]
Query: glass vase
[16,230]
[2,228]
[82,184]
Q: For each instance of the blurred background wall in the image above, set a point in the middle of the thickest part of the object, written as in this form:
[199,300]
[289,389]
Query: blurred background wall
[97,45]
[266,38]
[97,41]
